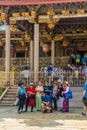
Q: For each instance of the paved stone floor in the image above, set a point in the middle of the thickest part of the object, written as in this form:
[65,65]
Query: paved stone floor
[10,120]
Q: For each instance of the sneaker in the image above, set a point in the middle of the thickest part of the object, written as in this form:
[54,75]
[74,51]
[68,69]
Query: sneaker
[19,112]
[60,110]
[25,111]
[51,111]
[84,114]
[45,111]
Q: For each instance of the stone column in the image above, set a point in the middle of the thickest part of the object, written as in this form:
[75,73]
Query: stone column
[36,51]
[7,54]
[31,55]
[53,52]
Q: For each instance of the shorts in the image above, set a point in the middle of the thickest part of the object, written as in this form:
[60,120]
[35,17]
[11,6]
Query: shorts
[84,101]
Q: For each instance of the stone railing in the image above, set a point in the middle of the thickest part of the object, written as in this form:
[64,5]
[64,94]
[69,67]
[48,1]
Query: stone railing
[43,61]
[15,62]
[16,77]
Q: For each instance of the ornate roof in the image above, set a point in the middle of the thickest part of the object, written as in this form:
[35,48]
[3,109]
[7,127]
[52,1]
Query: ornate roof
[32,2]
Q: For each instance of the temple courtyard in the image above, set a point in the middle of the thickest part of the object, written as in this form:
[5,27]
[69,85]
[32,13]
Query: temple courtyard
[11,120]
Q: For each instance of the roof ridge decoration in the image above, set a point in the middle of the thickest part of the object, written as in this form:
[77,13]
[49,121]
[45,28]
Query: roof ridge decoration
[33,2]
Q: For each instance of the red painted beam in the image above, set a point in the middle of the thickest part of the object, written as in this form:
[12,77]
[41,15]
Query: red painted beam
[33,2]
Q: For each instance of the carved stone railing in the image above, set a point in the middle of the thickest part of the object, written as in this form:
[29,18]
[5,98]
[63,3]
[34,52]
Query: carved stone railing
[22,62]
[16,77]
[16,62]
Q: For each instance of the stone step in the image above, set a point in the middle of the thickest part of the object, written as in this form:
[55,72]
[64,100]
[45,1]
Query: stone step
[9,99]
[10,96]
[12,88]
[11,93]
[6,102]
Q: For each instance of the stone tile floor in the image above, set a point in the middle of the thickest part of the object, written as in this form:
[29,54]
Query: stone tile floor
[11,120]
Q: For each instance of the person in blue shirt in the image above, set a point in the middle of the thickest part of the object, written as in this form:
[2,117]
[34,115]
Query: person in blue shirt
[84,60]
[84,98]
[21,94]
[46,103]
[47,88]
[49,69]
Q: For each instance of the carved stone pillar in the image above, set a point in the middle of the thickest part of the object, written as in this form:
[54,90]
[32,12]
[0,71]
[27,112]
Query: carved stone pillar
[53,52]
[36,51]
[7,54]
[31,55]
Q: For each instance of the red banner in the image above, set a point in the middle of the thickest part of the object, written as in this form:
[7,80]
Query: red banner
[32,2]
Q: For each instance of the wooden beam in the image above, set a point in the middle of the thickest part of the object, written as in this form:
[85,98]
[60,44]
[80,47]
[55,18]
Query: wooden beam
[36,2]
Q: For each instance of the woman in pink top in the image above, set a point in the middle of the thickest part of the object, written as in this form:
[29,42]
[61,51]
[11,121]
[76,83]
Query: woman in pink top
[39,89]
[65,101]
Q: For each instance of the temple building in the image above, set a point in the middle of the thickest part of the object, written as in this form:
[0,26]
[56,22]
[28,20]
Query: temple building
[35,33]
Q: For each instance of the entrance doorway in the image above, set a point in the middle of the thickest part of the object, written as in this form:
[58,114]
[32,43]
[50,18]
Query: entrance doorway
[20,54]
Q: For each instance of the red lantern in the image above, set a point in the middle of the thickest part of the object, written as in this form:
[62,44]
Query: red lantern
[45,48]
[65,43]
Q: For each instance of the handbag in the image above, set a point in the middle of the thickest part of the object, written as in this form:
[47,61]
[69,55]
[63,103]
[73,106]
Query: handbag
[69,95]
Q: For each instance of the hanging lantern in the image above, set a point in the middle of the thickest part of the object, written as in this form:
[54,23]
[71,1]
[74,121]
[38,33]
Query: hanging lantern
[45,48]
[41,44]
[65,43]
[0,19]
[1,44]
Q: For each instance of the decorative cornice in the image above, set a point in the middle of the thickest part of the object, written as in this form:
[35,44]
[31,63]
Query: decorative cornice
[33,2]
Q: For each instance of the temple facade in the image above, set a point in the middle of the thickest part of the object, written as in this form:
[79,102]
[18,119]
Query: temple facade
[35,33]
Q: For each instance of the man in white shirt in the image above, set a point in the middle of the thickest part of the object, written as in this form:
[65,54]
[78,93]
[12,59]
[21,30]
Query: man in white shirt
[26,75]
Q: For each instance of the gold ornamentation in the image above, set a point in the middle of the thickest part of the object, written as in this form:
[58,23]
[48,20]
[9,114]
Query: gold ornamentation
[27,37]
[14,28]
[25,14]
[33,14]
[12,22]
[51,25]
[80,11]
[3,16]
[16,15]
[58,38]
[51,22]
[65,12]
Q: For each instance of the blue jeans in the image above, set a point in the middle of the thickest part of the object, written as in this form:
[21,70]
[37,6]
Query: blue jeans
[21,104]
